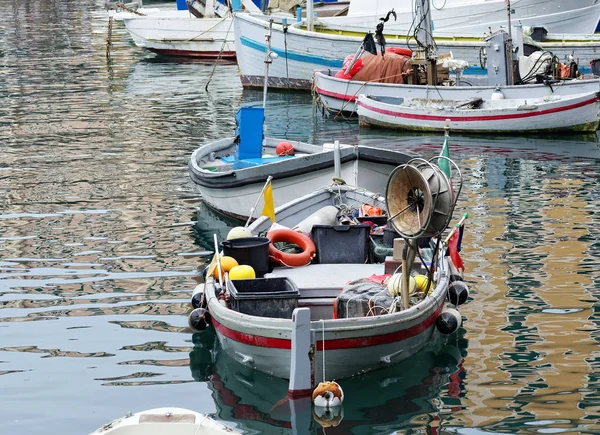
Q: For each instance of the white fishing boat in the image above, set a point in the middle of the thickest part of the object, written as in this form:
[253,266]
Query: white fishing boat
[190,33]
[556,16]
[230,173]
[179,33]
[553,113]
[172,421]
[356,325]
[339,95]
[202,29]
[301,52]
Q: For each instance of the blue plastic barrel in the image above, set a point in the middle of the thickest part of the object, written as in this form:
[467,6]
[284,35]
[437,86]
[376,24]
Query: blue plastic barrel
[181,5]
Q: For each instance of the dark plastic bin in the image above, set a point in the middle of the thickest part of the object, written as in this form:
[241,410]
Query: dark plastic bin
[252,251]
[265,297]
[341,243]
[377,220]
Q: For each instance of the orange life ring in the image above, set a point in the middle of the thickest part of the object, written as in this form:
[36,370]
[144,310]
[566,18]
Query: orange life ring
[400,50]
[286,259]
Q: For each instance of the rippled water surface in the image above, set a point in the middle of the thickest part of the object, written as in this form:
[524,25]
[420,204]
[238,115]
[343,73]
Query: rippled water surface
[102,237]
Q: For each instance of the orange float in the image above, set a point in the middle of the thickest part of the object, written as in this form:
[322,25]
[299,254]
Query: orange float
[286,259]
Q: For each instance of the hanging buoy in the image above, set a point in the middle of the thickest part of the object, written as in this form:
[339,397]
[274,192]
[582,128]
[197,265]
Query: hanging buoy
[448,321]
[458,292]
[198,300]
[328,394]
[199,319]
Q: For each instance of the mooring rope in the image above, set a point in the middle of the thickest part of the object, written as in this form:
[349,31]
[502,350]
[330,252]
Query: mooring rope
[219,56]
[133,11]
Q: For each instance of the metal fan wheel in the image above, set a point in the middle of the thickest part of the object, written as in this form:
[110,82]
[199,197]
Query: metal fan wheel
[419,200]
[409,201]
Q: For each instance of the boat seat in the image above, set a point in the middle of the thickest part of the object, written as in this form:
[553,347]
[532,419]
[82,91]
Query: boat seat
[326,280]
[251,162]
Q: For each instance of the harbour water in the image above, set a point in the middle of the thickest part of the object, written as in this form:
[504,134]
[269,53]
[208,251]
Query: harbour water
[102,237]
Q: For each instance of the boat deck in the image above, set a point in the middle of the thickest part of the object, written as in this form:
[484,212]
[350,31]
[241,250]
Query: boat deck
[320,284]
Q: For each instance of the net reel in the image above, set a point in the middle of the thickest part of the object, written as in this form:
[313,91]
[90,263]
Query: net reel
[421,198]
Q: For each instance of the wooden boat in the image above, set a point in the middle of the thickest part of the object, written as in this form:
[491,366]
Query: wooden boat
[341,96]
[232,185]
[301,52]
[549,114]
[353,343]
[174,421]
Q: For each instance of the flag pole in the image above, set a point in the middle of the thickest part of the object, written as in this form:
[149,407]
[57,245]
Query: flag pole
[253,209]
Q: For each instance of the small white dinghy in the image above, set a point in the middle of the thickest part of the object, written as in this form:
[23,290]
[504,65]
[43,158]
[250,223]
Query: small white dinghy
[160,421]
[553,113]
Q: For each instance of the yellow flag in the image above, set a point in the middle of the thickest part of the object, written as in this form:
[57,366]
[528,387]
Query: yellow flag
[269,207]
[212,266]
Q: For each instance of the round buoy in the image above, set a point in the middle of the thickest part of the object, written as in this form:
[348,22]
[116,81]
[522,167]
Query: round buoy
[227,263]
[198,300]
[497,95]
[448,321]
[328,394]
[458,292]
[198,297]
[238,233]
[284,149]
[422,282]
[242,272]
[394,284]
[199,319]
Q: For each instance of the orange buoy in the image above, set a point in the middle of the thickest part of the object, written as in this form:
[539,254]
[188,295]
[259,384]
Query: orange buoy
[285,258]
[284,149]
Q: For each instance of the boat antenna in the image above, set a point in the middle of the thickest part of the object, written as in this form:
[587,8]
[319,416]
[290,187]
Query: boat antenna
[269,56]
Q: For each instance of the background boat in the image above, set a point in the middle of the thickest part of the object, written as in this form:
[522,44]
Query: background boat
[301,52]
[552,114]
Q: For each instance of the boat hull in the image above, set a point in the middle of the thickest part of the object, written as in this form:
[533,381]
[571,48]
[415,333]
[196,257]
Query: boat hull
[302,52]
[178,33]
[578,113]
[338,95]
[235,193]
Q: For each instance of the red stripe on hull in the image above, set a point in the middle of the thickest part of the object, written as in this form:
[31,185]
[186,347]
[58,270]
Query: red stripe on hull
[532,114]
[339,343]
[344,97]
[197,54]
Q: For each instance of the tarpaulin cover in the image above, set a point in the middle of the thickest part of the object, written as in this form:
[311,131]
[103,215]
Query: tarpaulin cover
[388,69]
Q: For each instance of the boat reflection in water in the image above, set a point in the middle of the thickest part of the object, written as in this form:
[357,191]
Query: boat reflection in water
[413,394]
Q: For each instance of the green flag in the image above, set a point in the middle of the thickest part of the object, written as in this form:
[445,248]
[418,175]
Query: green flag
[443,163]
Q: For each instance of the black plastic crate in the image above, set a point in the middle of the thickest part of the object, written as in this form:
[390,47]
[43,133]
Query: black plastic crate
[341,243]
[377,220]
[264,297]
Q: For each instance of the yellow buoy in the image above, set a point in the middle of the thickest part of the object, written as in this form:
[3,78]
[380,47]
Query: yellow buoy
[394,284]
[422,282]
[227,263]
[242,272]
